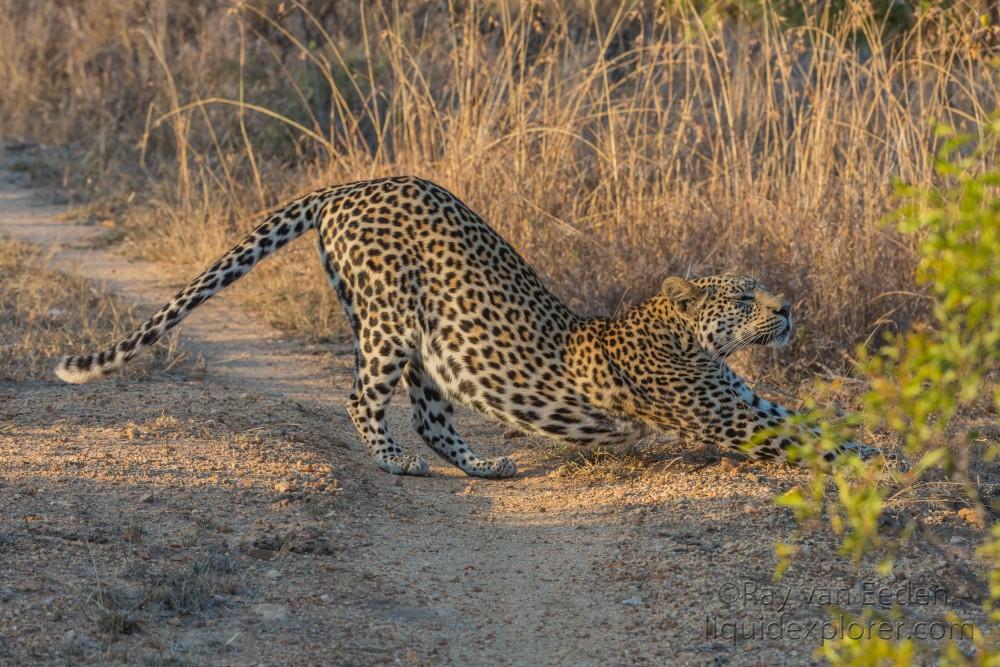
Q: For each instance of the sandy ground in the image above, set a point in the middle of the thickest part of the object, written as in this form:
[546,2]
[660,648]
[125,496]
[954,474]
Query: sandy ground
[223,512]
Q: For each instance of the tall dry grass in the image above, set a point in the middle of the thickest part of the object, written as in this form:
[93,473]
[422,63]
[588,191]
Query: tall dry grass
[611,143]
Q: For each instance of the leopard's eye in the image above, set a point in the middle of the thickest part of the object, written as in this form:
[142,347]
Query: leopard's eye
[746,298]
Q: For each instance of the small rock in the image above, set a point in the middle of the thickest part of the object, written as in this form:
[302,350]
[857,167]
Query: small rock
[324,597]
[272,573]
[955,539]
[285,487]
[725,465]
[971,517]
[69,636]
[148,498]
[174,621]
[633,601]
[270,611]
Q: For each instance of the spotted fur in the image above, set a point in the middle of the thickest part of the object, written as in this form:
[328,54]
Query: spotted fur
[434,294]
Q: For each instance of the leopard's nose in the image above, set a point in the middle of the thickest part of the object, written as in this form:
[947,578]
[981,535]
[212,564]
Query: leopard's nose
[784,310]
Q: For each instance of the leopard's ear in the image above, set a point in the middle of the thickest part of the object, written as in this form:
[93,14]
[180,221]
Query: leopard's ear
[679,290]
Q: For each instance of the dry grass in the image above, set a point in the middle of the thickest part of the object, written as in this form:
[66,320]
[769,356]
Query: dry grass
[612,143]
[600,465]
[45,313]
[193,587]
[135,595]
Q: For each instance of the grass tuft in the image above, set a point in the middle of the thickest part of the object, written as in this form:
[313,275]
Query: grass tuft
[114,612]
[194,587]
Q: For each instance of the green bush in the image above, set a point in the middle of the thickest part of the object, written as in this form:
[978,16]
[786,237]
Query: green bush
[919,383]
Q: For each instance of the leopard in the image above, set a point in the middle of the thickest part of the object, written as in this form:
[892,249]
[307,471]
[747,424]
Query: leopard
[436,298]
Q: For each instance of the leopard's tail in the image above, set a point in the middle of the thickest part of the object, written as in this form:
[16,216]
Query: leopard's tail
[278,228]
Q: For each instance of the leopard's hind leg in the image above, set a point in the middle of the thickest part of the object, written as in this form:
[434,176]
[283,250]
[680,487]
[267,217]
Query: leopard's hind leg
[379,361]
[433,419]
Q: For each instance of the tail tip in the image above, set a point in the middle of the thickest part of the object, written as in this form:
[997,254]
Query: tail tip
[68,370]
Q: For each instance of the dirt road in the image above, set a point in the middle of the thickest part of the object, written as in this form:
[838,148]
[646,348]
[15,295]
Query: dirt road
[223,512]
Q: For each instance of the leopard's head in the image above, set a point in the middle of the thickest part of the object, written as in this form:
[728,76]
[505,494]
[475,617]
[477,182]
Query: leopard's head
[729,312]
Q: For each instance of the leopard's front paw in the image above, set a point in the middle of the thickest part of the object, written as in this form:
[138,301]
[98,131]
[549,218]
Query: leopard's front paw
[864,452]
[867,453]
